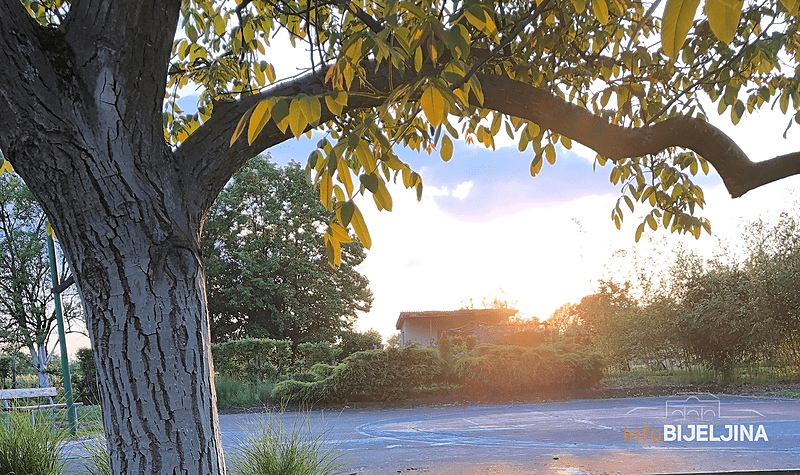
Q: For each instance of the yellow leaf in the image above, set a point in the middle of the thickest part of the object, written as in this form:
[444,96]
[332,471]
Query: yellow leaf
[447,149]
[339,233]
[360,227]
[326,189]
[418,59]
[333,106]
[383,198]
[536,164]
[310,107]
[297,120]
[790,5]
[47,228]
[259,118]
[580,5]
[723,17]
[433,105]
[269,70]
[600,10]
[678,17]
[345,178]
[7,168]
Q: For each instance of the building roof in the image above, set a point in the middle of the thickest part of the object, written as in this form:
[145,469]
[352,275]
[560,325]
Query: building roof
[487,315]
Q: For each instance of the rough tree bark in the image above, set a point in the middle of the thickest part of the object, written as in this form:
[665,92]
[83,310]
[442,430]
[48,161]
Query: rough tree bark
[80,120]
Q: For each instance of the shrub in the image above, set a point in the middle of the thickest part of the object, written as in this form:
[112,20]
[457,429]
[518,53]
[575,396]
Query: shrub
[272,449]
[29,450]
[517,370]
[322,370]
[379,375]
[322,352]
[301,392]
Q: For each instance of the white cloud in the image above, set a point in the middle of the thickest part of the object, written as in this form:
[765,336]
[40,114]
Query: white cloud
[462,190]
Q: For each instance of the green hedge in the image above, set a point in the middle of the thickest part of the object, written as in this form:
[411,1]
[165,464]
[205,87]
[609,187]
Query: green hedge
[379,375]
[374,375]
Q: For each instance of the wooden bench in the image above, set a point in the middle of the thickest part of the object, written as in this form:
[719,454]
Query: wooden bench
[29,393]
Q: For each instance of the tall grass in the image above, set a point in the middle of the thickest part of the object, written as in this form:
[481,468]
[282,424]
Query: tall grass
[28,449]
[235,393]
[275,449]
[98,462]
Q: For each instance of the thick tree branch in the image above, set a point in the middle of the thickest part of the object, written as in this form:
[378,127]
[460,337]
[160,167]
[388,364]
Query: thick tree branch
[738,172]
[207,158]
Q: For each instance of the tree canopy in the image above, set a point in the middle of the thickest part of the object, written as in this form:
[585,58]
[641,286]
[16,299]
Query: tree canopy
[267,272]
[89,119]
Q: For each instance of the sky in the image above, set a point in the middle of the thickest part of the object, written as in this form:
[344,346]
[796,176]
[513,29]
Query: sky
[485,228]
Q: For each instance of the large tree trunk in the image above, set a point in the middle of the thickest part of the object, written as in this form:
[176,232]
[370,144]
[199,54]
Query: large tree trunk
[80,115]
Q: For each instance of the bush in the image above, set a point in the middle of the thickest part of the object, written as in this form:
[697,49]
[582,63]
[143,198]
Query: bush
[517,370]
[380,375]
[322,371]
[272,449]
[29,450]
[301,392]
[322,352]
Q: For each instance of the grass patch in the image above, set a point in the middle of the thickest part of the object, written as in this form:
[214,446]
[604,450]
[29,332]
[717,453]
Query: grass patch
[28,449]
[275,449]
[235,393]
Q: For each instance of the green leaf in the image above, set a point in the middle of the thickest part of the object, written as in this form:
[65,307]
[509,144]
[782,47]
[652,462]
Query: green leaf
[280,114]
[723,17]
[344,212]
[678,18]
[447,149]
[370,181]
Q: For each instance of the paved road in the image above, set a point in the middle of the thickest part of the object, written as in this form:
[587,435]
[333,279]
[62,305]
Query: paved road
[726,433]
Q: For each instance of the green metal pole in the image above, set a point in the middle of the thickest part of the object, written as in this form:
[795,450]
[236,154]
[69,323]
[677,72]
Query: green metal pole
[72,416]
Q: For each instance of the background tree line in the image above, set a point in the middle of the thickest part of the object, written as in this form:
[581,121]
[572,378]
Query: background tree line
[737,310]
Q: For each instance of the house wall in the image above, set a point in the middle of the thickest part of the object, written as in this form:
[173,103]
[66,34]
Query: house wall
[422,330]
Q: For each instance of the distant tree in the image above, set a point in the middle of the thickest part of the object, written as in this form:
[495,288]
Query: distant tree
[27,314]
[267,270]
[394,341]
[353,342]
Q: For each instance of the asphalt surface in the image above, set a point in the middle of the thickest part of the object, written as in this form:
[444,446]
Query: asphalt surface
[593,436]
